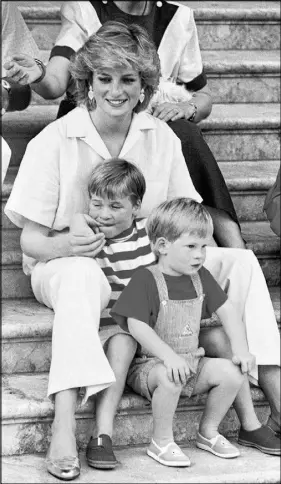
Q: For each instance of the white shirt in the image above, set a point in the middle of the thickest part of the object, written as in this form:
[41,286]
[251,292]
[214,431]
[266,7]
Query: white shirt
[55,169]
[179,50]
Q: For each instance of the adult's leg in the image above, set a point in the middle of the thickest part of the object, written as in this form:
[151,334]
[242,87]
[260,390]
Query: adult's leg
[77,290]
[269,381]
[240,271]
[209,182]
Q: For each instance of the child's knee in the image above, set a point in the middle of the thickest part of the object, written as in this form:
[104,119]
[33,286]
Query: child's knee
[163,380]
[121,348]
[230,374]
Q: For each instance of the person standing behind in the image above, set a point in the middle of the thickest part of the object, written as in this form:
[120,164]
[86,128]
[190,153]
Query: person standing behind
[16,39]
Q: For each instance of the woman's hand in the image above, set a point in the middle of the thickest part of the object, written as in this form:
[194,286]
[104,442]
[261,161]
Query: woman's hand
[84,236]
[246,361]
[173,111]
[22,69]
[177,368]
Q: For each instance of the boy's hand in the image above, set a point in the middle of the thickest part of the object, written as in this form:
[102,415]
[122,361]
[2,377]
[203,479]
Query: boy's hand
[245,361]
[177,369]
[85,238]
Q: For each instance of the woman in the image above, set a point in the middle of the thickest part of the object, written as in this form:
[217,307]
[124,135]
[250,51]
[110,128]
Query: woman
[174,33]
[116,73]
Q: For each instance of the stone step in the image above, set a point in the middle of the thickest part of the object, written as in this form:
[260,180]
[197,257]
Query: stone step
[136,467]
[27,415]
[248,183]
[221,25]
[27,334]
[233,131]
[233,77]
[259,237]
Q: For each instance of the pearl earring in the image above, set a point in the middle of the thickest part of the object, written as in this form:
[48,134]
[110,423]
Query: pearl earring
[142,96]
[104,1]
[159,4]
[91,94]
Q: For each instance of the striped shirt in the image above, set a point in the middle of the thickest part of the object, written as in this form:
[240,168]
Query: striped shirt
[120,258]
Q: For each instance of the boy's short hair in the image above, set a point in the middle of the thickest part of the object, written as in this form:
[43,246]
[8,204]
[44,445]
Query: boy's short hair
[117,177]
[177,216]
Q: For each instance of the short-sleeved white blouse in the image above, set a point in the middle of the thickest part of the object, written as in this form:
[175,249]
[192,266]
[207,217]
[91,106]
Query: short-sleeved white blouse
[55,169]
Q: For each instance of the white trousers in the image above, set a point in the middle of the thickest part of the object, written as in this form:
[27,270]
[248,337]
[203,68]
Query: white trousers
[77,290]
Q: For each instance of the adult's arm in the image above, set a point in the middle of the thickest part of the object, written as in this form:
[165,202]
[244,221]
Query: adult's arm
[78,22]
[36,242]
[188,71]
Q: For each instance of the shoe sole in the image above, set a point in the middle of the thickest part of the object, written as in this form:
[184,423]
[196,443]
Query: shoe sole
[168,463]
[265,450]
[102,465]
[63,478]
[208,449]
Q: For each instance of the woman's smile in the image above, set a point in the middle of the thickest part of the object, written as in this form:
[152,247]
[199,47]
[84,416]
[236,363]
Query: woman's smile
[116,90]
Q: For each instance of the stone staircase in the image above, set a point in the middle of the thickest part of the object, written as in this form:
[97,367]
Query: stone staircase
[240,44]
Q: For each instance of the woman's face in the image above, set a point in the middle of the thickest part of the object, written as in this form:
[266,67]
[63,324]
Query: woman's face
[116,91]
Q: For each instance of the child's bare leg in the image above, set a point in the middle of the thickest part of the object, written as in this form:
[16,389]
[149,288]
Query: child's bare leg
[216,344]
[164,403]
[120,352]
[222,380]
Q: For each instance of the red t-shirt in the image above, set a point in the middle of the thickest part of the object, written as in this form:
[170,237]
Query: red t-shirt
[140,298]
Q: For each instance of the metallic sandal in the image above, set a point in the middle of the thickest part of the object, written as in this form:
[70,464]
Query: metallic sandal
[66,469]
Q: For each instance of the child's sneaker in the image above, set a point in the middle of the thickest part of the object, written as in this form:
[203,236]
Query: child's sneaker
[170,455]
[218,445]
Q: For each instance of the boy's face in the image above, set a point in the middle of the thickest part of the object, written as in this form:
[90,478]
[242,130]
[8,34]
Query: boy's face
[112,216]
[186,255]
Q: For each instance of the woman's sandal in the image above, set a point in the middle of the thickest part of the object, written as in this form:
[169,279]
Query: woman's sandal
[66,468]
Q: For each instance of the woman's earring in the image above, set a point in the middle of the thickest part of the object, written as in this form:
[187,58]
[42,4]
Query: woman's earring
[91,94]
[142,96]
[159,4]
[104,1]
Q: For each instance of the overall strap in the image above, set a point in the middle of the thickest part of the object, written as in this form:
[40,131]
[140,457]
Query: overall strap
[196,281]
[160,283]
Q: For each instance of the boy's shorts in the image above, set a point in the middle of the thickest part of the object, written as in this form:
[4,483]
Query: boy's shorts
[140,368]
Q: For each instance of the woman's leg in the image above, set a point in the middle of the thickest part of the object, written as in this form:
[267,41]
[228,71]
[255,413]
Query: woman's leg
[239,271]
[77,290]
[209,182]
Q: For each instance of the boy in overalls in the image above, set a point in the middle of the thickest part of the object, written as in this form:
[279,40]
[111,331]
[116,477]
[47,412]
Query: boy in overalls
[161,307]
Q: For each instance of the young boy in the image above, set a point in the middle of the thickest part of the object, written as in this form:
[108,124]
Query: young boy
[162,307]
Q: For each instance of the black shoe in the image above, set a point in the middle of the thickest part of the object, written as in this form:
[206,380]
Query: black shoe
[263,439]
[99,453]
[272,425]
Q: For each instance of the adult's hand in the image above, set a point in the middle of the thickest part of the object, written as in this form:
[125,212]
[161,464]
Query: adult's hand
[173,111]
[84,236]
[22,69]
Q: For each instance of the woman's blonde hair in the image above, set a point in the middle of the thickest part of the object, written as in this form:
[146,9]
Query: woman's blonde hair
[116,45]
[178,216]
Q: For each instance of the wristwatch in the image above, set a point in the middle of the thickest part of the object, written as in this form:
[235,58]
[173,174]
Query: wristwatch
[43,71]
[191,118]
[7,86]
